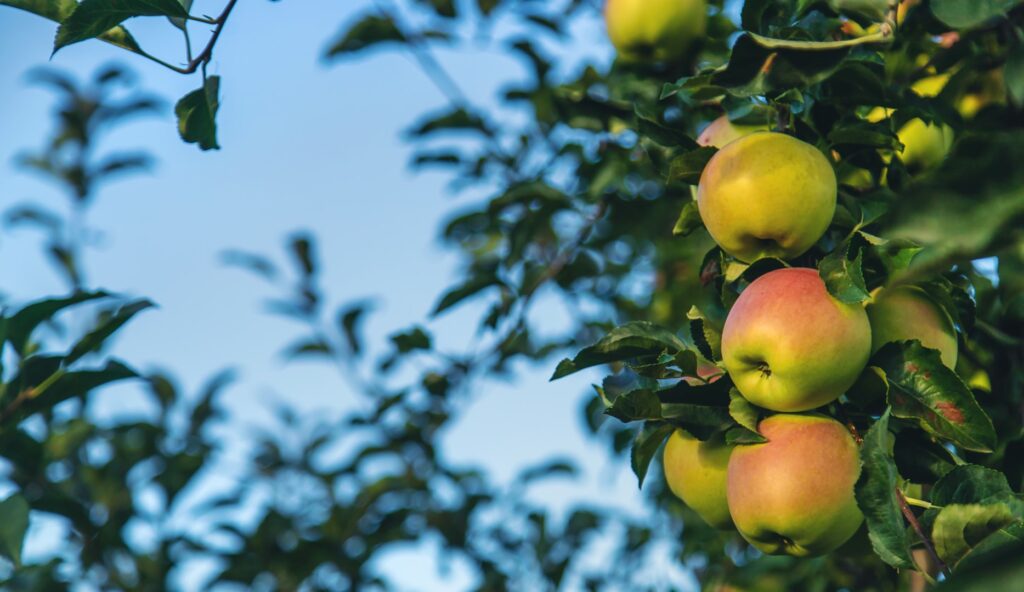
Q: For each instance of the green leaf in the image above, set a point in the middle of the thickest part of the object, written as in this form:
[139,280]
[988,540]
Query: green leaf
[181,22]
[371,30]
[646,444]
[625,342]
[70,384]
[688,167]
[745,413]
[413,339]
[974,484]
[25,321]
[923,389]
[638,405]
[92,18]
[707,336]
[58,10]
[13,524]
[843,275]
[919,458]
[472,286]
[689,220]
[650,127]
[197,115]
[759,66]
[961,14]
[959,528]
[1013,74]
[95,338]
[877,498]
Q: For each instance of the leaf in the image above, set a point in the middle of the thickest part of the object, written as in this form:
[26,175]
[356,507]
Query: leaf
[877,498]
[919,458]
[745,413]
[960,14]
[303,250]
[641,404]
[13,524]
[760,66]
[688,167]
[72,384]
[1013,74]
[475,284]
[197,115]
[58,11]
[689,220]
[411,340]
[1001,569]
[371,30]
[625,342]
[974,484]
[310,347]
[178,21]
[707,336]
[842,275]
[349,319]
[91,18]
[647,442]
[95,338]
[24,322]
[959,528]
[550,468]
[650,127]
[923,389]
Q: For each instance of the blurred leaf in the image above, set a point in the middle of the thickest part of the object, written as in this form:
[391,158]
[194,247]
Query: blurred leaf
[651,127]
[475,284]
[923,389]
[551,468]
[688,167]
[920,459]
[180,22]
[646,445]
[959,528]
[197,113]
[756,69]
[1013,73]
[411,340]
[625,342]
[24,322]
[303,250]
[964,15]
[257,264]
[349,319]
[59,10]
[877,498]
[369,31]
[94,17]
[93,340]
[13,524]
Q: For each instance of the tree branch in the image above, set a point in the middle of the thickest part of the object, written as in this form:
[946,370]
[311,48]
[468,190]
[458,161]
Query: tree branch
[912,519]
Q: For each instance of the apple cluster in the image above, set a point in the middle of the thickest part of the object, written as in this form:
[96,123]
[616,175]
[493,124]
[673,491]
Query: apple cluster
[790,347]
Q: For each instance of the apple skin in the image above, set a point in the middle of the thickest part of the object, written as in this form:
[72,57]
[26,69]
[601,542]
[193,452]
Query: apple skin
[721,131]
[654,30]
[794,494]
[906,312]
[767,195]
[696,473]
[790,346]
[925,145]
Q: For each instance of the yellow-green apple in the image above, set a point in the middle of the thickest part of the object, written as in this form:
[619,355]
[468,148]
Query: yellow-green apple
[767,195]
[654,30]
[924,144]
[696,473]
[790,346]
[721,131]
[906,312]
[794,493]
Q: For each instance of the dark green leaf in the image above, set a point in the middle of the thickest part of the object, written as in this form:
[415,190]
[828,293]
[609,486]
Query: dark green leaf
[647,442]
[961,14]
[21,325]
[877,498]
[94,17]
[371,30]
[706,335]
[13,524]
[413,339]
[95,338]
[843,276]
[959,528]
[197,115]
[689,220]
[641,404]
[625,342]
[923,389]
[745,413]
[687,167]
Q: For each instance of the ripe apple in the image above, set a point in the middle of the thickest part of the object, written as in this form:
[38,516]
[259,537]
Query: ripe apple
[696,473]
[924,144]
[654,30]
[721,131]
[767,195]
[794,493]
[906,312]
[790,346]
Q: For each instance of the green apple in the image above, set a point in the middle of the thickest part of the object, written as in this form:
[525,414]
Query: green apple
[696,473]
[794,493]
[790,346]
[767,195]
[924,144]
[721,131]
[654,30]
[906,312]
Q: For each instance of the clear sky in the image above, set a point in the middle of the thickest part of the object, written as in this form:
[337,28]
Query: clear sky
[306,145]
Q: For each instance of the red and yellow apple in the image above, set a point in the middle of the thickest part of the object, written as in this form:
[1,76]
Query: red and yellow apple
[790,346]
[794,493]
[906,312]
[767,194]
[696,473]
[654,30]
[721,131]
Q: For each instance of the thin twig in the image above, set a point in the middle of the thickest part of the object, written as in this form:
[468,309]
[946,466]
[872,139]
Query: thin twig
[912,519]
[207,53]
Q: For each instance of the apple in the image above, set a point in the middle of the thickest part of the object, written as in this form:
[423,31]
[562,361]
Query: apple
[790,346]
[721,131]
[654,30]
[767,195]
[924,144]
[794,493]
[696,473]
[906,312]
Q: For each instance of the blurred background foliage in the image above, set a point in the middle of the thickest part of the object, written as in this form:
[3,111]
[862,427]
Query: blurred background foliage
[592,169]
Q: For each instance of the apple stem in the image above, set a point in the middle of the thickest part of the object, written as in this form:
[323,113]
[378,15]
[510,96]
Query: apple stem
[919,503]
[912,519]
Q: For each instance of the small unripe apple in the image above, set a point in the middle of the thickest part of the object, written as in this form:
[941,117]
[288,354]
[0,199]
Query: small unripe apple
[654,30]
[721,131]
[794,493]
[925,145]
[696,473]
[790,346]
[767,195]
[906,312]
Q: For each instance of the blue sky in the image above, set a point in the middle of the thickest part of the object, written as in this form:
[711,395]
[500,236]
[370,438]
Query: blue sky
[306,145]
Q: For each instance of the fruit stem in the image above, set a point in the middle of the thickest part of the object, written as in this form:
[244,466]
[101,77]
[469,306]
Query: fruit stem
[912,519]
[919,503]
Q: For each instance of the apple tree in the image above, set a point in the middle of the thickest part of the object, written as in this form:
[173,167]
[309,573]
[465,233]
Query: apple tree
[788,233]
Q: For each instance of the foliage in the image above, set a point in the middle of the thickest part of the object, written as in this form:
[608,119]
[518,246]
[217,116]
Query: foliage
[586,195]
